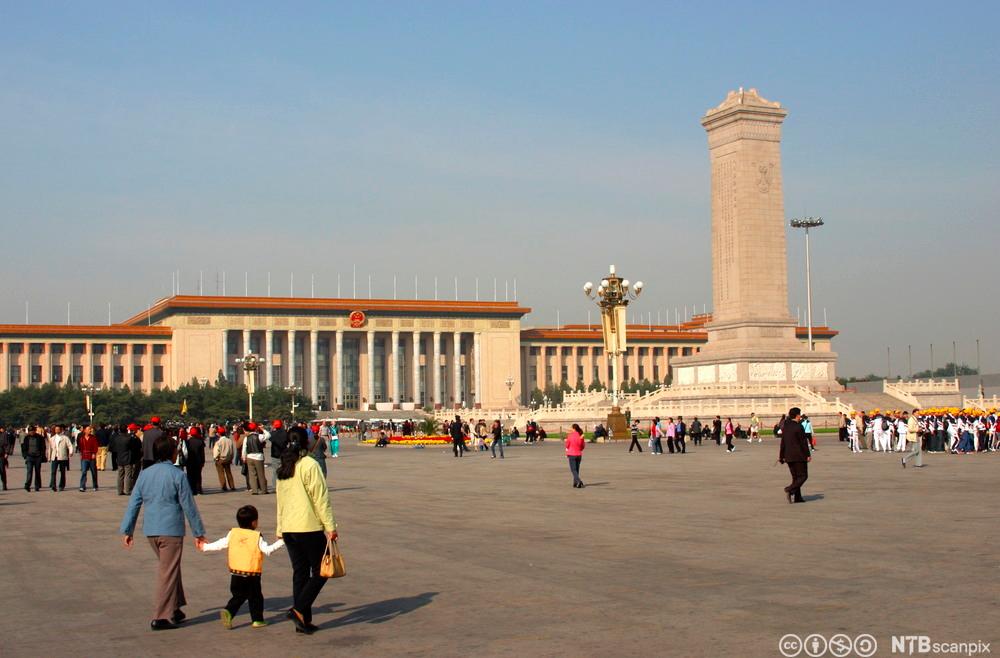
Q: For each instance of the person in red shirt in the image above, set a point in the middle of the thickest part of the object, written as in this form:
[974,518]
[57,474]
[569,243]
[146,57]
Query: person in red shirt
[87,445]
[574,452]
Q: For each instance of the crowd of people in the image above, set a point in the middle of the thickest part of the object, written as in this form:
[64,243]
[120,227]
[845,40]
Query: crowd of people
[955,431]
[128,449]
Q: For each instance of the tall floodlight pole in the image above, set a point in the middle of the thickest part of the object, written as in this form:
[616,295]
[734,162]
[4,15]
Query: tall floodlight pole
[88,392]
[250,364]
[808,223]
[613,296]
[292,390]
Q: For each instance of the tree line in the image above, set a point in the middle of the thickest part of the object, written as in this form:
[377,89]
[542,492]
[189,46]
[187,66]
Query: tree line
[222,401]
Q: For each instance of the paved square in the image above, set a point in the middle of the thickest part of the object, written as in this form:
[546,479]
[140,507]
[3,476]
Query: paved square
[685,555]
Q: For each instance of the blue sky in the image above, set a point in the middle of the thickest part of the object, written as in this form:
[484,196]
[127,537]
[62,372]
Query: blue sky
[497,140]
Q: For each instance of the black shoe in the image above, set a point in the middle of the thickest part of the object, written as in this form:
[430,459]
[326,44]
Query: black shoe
[162,625]
[178,617]
[300,625]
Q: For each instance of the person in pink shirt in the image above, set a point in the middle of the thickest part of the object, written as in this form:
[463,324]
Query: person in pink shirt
[574,451]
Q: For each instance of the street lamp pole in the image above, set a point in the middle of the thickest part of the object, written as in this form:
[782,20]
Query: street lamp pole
[510,390]
[612,296]
[808,223]
[250,364]
[88,392]
[293,390]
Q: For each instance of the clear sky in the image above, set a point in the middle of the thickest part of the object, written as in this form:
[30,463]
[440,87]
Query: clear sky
[540,141]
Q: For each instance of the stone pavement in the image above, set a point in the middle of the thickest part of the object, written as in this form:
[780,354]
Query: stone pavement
[673,555]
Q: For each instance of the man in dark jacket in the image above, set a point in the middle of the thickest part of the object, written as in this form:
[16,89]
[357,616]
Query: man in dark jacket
[680,432]
[33,449]
[279,441]
[149,438]
[457,437]
[126,452]
[717,430]
[794,451]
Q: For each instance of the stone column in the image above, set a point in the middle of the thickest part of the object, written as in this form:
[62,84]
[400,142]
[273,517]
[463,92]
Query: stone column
[313,366]
[269,357]
[46,363]
[415,361]
[436,369]
[291,357]
[225,354]
[370,376]
[108,361]
[477,365]
[88,370]
[5,366]
[339,357]
[394,392]
[456,369]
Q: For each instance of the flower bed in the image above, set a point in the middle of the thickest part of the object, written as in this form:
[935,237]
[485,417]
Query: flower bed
[438,440]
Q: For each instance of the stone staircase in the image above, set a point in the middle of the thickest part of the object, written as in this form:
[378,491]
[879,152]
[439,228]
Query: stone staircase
[868,401]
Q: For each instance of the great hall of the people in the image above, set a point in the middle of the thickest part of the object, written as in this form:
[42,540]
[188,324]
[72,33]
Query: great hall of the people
[345,353]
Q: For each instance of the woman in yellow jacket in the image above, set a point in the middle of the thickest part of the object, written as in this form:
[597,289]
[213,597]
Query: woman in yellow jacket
[305,522]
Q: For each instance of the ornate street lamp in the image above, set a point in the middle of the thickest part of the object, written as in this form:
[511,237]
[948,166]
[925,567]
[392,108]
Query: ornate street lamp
[88,392]
[293,390]
[612,296]
[808,223]
[510,389]
[250,364]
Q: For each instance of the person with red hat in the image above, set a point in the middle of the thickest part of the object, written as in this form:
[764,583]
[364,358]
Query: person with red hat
[127,451]
[253,456]
[278,441]
[195,459]
[149,436]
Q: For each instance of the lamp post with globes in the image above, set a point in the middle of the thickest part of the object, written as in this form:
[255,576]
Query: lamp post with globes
[808,223]
[292,390]
[250,363]
[612,296]
[510,390]
[88,392]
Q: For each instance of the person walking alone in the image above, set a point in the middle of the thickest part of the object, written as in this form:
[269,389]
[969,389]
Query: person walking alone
[253,457]
[497,430]
[306,523]
[574,453]
[35,452]
[195,460]
[634,433]
[87,445]
[60,450]
[913,437]
[794,451]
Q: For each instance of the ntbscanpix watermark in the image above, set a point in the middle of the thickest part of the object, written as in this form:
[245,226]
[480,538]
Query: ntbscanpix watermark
[865,646]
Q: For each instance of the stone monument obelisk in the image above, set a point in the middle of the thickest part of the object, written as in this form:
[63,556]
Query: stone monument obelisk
[751,337]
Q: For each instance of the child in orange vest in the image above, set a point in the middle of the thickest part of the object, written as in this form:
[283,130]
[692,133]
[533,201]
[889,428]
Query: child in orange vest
[247,549]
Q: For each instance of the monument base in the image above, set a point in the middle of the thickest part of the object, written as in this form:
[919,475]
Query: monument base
[617,424]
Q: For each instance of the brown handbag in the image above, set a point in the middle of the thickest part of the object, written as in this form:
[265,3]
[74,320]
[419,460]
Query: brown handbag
[332,564]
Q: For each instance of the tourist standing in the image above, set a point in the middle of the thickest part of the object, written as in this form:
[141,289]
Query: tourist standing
[278,440]
[126,448]
[696,431]
[913,436]
[222,454]
[195,460]
[335,440]
[794,451]
[150,434]
[754,428]
[574,453]
[457,437]
[60,450]
[253,457]
[318,451]
[34,450]
[730,430]
[305,522]
[657,434]
[103,435]
[87,445]
[717,430]
[166,494]
[680,432]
